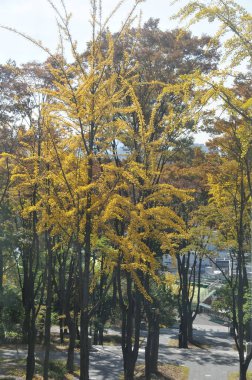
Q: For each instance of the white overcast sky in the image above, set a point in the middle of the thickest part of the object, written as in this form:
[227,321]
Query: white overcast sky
[36,18]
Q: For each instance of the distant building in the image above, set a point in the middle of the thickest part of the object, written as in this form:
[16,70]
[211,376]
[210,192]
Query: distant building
[224,265]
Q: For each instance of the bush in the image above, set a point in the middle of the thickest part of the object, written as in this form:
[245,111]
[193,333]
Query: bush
[13,337]
[12,310]
[57,369]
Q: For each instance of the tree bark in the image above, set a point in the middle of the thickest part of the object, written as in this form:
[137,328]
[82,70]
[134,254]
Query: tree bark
[48,309]
[71,321]
[72,340]
[84,346]
[1,297]
[85,279]
[152,346]
[243,371]
[30,361]
[131,319]
[190,327]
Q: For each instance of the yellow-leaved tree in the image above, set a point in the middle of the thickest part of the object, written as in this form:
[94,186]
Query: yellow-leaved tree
[228,90]
[81,119]
[107,162]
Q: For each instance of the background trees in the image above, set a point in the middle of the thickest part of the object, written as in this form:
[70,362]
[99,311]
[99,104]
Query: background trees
[229,184]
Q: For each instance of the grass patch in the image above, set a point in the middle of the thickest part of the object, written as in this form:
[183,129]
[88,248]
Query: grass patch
[113,340]
[57,369]
[174,343]
[235,376]
[165,372]
[10,369]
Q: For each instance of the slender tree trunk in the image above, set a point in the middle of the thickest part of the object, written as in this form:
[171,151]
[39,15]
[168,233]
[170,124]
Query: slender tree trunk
[62,273]
[25,300]
[48,309]
[84,301]
[100,326]
[100,334]
[148,355]
[61,327]
[1,296]
[96,331]
[72,340]
[85,279]
[152,346]
[30,362]
[71,321]
[31,315]
[184,320]
[77,328]
[84,346]
[183,264]
[131,319]
[155,343]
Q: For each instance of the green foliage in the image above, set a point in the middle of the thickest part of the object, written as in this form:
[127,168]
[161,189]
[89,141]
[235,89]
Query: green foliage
[223,301]
[164,301]
[13,337]
[12,309]
[2,332]
[248,307]
[57,369]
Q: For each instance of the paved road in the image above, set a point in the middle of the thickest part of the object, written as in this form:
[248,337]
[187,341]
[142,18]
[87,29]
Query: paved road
[216,361]
[213,362]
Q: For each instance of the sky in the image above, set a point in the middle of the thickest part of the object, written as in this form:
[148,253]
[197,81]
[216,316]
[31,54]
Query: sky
[36,18]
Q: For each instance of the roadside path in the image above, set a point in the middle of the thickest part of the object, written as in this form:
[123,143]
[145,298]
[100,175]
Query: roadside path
[214,361]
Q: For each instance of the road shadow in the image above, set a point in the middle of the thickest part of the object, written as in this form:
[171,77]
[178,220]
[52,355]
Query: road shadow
[105,365]
[197,356]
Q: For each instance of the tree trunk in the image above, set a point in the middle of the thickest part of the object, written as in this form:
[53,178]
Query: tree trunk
[129,368]
[95,337]
[71,321]
[148,356]
[77,329]
[48,309]
[61,326]
[84,346]
[243,371]
[1,297]
[183,334]
[72,339]
[84,303]
[190,327]
[155,344]
[100,334]
[30,361]
[152,346]
[131,318]
[25,300]
[183,265]
[31,320]
[84,283]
